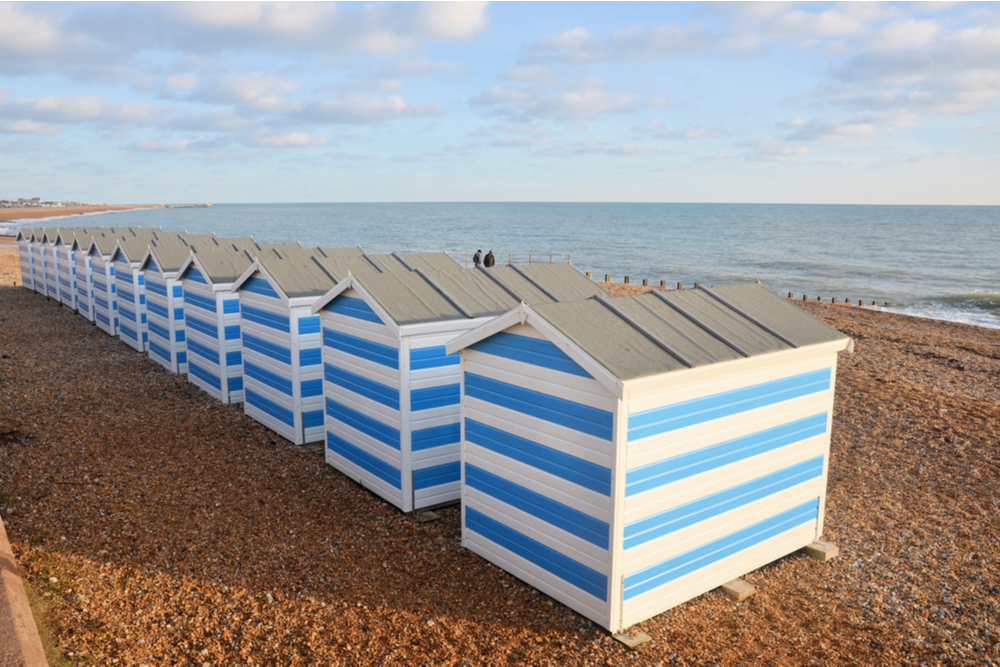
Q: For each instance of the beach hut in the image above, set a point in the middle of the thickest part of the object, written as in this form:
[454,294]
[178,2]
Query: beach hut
[165,301]
[392,395]
[624,455]
[131,286]
[39,255]
[82,240]
[282,367]
[26,252]
[103,244]
[212,319]
[66,267]
[51,263]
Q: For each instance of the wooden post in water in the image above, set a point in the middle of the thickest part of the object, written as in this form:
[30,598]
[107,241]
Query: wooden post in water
[820,299]
[697,285]
[590,275]
[645,282]
[628,280]
[790,295]
[607,277]
[833,300]
[680,286]
[805,297]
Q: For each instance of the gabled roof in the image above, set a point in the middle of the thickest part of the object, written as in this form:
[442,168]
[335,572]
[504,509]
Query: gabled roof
[341,266]
[104,242]
[169,253]
[284,250]
[415,297]
[428,261]
[545,283]
[236,243]
[297,276]
[655,333]
[339,253]
[219,266]
[134,243]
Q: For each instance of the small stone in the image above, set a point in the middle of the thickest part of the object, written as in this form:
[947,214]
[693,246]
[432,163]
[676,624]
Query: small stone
[428,517]
[633,639]
[822,551]
[738,590]
[53,580]
[270,600]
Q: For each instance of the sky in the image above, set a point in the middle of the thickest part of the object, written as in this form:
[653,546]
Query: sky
[851,103]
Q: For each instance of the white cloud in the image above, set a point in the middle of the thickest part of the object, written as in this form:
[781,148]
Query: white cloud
[61,110]
[172,146]
[366,110]
[290,139]
[593,146]
[658,130]
[27,127]
[257,90]
[581,100]
[772,150]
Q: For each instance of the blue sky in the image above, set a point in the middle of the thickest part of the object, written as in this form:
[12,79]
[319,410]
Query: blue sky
[676,102]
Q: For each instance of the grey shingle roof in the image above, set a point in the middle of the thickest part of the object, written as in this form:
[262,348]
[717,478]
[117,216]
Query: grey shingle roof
[675,341]
[169,253]
[311,275]
[224,265]
[428,261]
[539,283]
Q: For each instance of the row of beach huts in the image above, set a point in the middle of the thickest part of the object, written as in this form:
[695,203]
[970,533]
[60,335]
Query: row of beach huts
[620,454]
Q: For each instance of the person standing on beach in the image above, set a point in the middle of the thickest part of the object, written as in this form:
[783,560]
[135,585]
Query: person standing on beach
[477,259]
[490,260]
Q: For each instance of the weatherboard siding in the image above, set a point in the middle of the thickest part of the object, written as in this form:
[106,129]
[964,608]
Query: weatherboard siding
[362,397]
[84,284]
[536,491]
[105,295]
[132,328]
[27,257]
[165,320]
[67,276]
[722,477]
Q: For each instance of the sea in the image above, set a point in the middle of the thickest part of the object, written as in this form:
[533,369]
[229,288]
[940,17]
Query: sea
[940,262]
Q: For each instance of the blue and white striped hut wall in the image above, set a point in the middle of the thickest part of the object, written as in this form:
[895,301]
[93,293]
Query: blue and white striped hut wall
[66,267]
[391,392]
[26,253]
[51,263]
[83,237]
[212,319]
[626,455]
[131,286]
[282,358]
[165,302]
[37,237]
[102,270]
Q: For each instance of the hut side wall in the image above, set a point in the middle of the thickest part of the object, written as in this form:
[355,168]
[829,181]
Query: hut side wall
[41,268]
[215,347]
[435,432]
[105,295]
[84,284]
[27,257]
[725,474]
[67,276]
[282,363]
[537,457]
[361,387]
[131,285]
[165,319]
[51,272]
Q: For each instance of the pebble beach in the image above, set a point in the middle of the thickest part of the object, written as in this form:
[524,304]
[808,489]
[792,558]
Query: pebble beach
[160,527]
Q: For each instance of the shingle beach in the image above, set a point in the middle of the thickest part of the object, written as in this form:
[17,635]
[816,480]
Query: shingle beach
[165,528]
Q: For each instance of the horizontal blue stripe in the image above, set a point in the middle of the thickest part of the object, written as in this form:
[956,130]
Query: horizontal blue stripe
[685,465]
[353,307]
[66,283]
[432,357]
[706,507]
[671,417]
[702,556]
[128,313]
[102,318]
[178,291]
[230,306]
[128,331]
[435,436]
[266,318]
[236,383]
[572,415]
[157,330]
[156,287]
[312,388]
[142,317]
[363,423]
[157,310]
[375,391]
[182,358]
[261,346]
[359,347]
[99,285]
[234,358]
[446,473]
[142,280]
[281,413]
[312,419]
[309,325]
[192,273]
[232,332]
[180,336]
[161,352]
[561,516]
[547,558]
[126,295]
[435,397]
[359,457]
[203,351]
[260,286]
[571,468]
[200,301]
[311,357]
[202,327]
[534,351]
[264,376]
[205,376]
[178,313]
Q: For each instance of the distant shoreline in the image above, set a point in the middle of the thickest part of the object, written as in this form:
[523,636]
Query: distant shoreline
[38,213]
